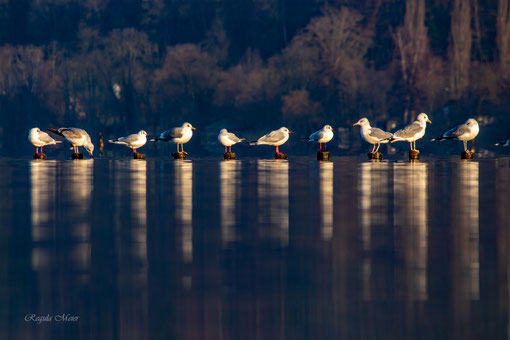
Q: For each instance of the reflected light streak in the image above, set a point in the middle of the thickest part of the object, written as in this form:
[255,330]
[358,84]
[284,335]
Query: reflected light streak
[230,182]
[326,199]
[184,206]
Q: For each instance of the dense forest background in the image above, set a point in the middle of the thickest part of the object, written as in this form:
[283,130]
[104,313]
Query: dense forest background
[118,66]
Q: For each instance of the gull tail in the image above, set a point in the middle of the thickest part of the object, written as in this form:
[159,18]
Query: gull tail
[501,143]
[253,142]
[113,140]
[157,139]
[440,138]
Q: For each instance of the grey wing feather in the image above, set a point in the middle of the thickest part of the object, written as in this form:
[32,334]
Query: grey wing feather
[176,132]
[43,136]
[274,136]
[457,131]
[315,136]
[380,134]
[409,131]
[129,139]
[233,137]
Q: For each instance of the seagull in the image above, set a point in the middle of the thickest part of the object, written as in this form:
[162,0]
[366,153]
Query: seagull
[324,135]
[77,137]
[464,132]
[413,131]
[134,141]
[227,139]
[276,138]
[40,138]
[178,135]
[373,135]
[504,143]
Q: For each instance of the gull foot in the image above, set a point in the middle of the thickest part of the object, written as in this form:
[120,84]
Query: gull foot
[414,154]
[77,156]
[179,155]
[229,155]
[280,155]
[39,156]
[467,154]
[323,155]
[375,155]
[137,155]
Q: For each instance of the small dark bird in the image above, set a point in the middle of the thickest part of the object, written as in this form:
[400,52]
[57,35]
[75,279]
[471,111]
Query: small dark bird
[101,144]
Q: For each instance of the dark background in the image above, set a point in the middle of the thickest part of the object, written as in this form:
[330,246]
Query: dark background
[118,66]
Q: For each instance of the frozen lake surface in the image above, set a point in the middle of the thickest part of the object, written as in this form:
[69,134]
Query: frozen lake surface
[255,249]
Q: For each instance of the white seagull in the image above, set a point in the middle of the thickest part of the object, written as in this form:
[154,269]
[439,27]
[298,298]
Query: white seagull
[77,137]
[373,135]
[40,138]
[413,131]
[227,139]
[464,132]
[275,138]
[134,141]
[322,136]
[178,135]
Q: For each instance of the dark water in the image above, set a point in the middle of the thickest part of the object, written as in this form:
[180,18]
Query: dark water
[255,249]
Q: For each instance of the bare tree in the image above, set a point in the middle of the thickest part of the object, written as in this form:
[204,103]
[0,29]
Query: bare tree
[460,47]
[503,37]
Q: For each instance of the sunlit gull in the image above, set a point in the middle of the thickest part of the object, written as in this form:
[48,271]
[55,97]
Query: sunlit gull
[275,138]
[412,132]
[227,139]
[322,136]
[178,135]
[134,141]
[373,135]
[77,137]
[464,132]
[40,139]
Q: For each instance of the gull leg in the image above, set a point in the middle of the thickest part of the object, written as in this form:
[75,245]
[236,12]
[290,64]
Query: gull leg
[377,149]
[465,145]
[277,149]
[41,149]
[225,149]
[373,148]
[134,150]
[320,146]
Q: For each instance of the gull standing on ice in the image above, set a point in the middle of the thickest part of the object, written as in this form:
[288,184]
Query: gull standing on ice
[373,135]
[275,138]
[227,139]
[40,138]
[77,137]
[464,132]
[178,135]
[134,141]
[413,131]
[322,136]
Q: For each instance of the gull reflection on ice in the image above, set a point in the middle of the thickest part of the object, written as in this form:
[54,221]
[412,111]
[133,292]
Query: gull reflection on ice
[230,182]
[184,206]
[374,187]
[138,194]
[326,199]
[411,228]
[43,198]
[273,199]
[465,227]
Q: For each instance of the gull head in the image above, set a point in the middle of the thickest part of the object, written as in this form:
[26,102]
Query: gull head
[471,122]
[223,131]
[328,128]
[285,130]
[362,122]
[188,125]
[90,148]
[422,117]
[143,133]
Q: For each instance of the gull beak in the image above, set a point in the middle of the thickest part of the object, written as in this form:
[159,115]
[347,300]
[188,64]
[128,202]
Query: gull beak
[148,134]
[193,128]
[291,131]
[428,121]
[355,124]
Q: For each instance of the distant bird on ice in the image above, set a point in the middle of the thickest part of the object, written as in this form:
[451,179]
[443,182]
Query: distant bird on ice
[504,143]
[275,138]
[40,139]
[134,141]
[373,135]
[178,135]
[227,139]
[77,137]
[322,136]
[464,132]
[412,132]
